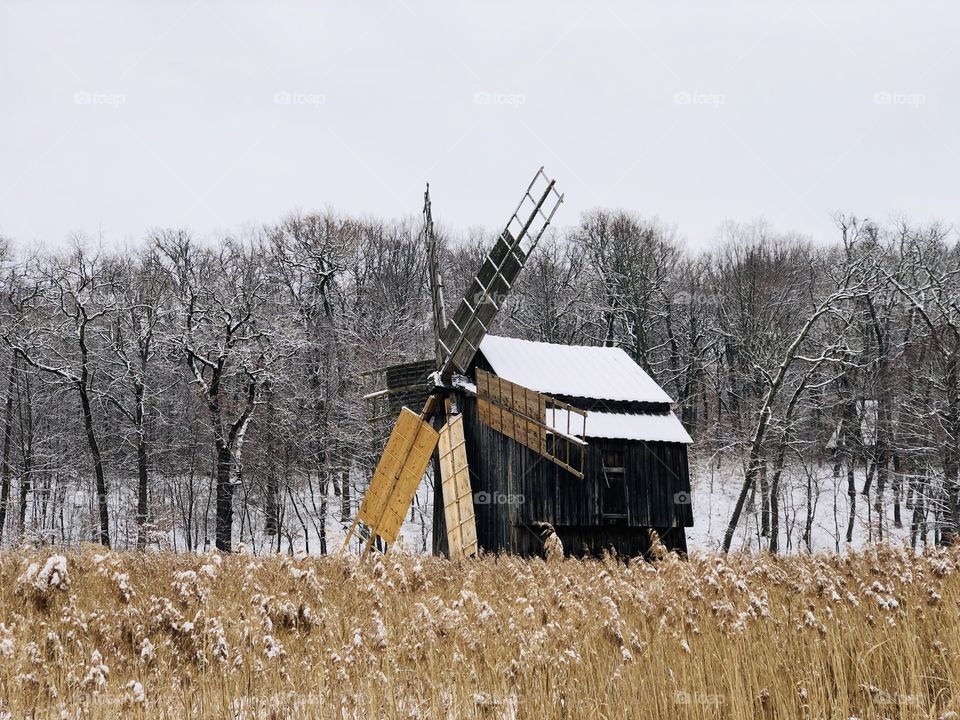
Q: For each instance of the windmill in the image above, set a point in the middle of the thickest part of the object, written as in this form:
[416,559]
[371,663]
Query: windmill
[509,408]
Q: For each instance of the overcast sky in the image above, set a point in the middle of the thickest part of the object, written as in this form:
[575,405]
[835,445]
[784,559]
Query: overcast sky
[116,117]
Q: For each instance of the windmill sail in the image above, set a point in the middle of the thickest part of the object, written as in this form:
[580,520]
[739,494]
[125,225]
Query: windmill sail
[462,335]
[457,493]
[395,481]
[531,418]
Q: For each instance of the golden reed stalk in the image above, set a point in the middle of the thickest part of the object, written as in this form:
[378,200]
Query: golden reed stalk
[89,634]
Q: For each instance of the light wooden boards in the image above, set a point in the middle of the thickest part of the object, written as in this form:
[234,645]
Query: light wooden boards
[521,414]
[513,410]
[397,476]
[457,494]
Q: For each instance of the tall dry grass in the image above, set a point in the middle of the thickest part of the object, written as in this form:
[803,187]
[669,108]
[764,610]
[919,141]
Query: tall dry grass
[119,635]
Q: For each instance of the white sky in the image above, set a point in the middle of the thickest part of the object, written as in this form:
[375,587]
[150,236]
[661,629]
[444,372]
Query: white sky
[116,117]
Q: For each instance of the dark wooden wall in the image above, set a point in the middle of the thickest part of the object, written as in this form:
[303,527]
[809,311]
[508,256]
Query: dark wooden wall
[524,488]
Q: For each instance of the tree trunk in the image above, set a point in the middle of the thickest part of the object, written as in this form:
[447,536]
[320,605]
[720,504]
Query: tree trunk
[764,502]
[775,498]
[224,487]
[7,438]
[272,524]
[917,516]
[871,468]
[101,484]
[951,453]
[897,490]
[851,496]
[143,478]
[881,485]
[346,511]
[608,341]
[324,482]
[26,430]
[752,468]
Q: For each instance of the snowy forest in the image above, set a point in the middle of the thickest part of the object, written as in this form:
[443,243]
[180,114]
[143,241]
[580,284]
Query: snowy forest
[182,393]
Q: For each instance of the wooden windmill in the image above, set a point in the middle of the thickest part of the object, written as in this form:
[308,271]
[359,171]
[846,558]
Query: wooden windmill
[525,416]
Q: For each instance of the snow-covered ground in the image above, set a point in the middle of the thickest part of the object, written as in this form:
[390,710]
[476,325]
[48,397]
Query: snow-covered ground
[715,488]
[714,492]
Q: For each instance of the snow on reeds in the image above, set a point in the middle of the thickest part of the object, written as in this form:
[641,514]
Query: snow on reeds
[88,634]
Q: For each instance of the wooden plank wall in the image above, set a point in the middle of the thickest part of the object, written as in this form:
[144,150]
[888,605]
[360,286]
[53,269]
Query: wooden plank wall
[657,477]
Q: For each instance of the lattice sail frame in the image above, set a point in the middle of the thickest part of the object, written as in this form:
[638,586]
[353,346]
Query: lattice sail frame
[458,509]
[461,337]
[521,414]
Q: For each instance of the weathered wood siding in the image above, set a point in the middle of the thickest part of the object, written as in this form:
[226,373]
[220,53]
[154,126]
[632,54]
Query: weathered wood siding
[523,488]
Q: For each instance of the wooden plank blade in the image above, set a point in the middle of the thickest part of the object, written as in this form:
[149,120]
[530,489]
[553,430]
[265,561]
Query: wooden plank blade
[458,509]
[394,483]
[521,414]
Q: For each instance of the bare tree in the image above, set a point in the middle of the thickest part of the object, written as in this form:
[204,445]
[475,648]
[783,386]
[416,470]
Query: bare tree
[849,285]
[218,294]
[69,295]
[140,302]
[934,295]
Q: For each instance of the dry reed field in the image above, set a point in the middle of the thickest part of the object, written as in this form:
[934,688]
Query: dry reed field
[87,634]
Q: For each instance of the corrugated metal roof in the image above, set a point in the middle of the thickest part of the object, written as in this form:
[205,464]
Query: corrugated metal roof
[622,426]
[601,373]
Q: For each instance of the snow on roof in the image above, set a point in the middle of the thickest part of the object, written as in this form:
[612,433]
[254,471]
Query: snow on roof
[621,426]
[601,373]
